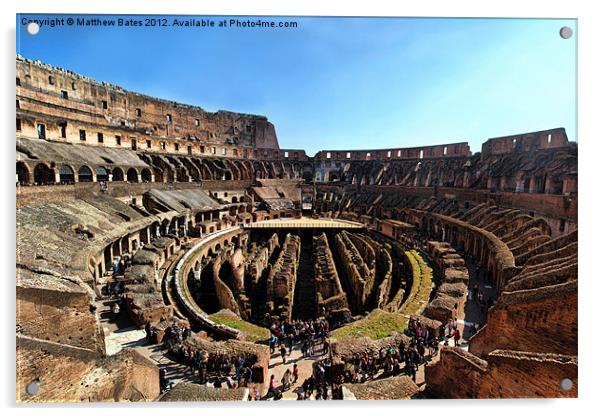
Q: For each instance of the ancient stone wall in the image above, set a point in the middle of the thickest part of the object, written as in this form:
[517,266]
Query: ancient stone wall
[258,259]
[529,375]
[457,375]
[355,274]
[437,151]
[332,300]
[451,294]
[282,278]
[539,320]
[226,297]
[146,308]
[81,102]
[384,266]
[60,315]
[71,374]
[460,374]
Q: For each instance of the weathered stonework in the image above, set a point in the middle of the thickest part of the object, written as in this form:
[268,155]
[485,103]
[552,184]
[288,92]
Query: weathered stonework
[104,174]
[73,374]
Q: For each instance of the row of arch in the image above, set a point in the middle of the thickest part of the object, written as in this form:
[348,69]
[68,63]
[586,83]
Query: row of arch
[190,169]
[131,242]
[489,250]
[163,169]
[48,174]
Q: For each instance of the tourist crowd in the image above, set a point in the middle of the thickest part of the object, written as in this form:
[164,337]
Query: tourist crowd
[405,358]
[309,337]
[284,336]
[217,368]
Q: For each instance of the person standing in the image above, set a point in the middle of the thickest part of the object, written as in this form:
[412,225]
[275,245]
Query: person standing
[286,380]
[290,341]
[283,353]
[326,346]
[271,388]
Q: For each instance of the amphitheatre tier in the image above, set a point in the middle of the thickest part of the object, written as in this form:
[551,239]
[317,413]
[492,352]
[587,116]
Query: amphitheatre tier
[306,222]
[197,220]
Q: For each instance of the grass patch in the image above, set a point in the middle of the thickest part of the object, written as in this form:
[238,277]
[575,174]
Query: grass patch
[251,332]
[422,284]
[376,325]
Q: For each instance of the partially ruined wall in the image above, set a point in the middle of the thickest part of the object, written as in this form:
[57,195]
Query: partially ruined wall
[460,374]
[72,374]
[48,93]
[451,294]
[519,374]
[355,274]
[531,331]
[457,375]
[282,278]
[540,320]
[61,314]
[258,259]
[226,298]
[331,299]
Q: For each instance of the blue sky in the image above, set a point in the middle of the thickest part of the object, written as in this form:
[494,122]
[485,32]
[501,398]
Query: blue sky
[343,83]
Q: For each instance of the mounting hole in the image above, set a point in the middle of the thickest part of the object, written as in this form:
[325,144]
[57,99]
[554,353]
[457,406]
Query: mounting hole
[33,28]
[566,384]
[33,388]
[566,32]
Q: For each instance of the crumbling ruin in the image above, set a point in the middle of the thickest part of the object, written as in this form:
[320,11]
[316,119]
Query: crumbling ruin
[189,213]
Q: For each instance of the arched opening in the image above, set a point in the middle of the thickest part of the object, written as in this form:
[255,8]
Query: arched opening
[102,174]
[132,175]
[173,226]
[146,175]
[108,258]
[116,249]
[23,176]
[84,174]
[164,227]
[144,236]
[207,295]
[43,175]
[158,175]
[182,175]
[234,200]
[226,275]
[66,174]
[307,176]
[117,175]
[228,175]
[155,230]
[125,244]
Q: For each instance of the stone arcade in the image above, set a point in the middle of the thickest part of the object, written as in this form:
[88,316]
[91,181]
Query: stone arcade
[197,219]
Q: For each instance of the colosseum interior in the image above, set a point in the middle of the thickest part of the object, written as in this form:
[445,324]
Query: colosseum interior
[152,233]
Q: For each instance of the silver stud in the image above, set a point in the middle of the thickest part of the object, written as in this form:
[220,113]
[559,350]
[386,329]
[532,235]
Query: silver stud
[33,28]
[33,387]
[566,32]
[566,384]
